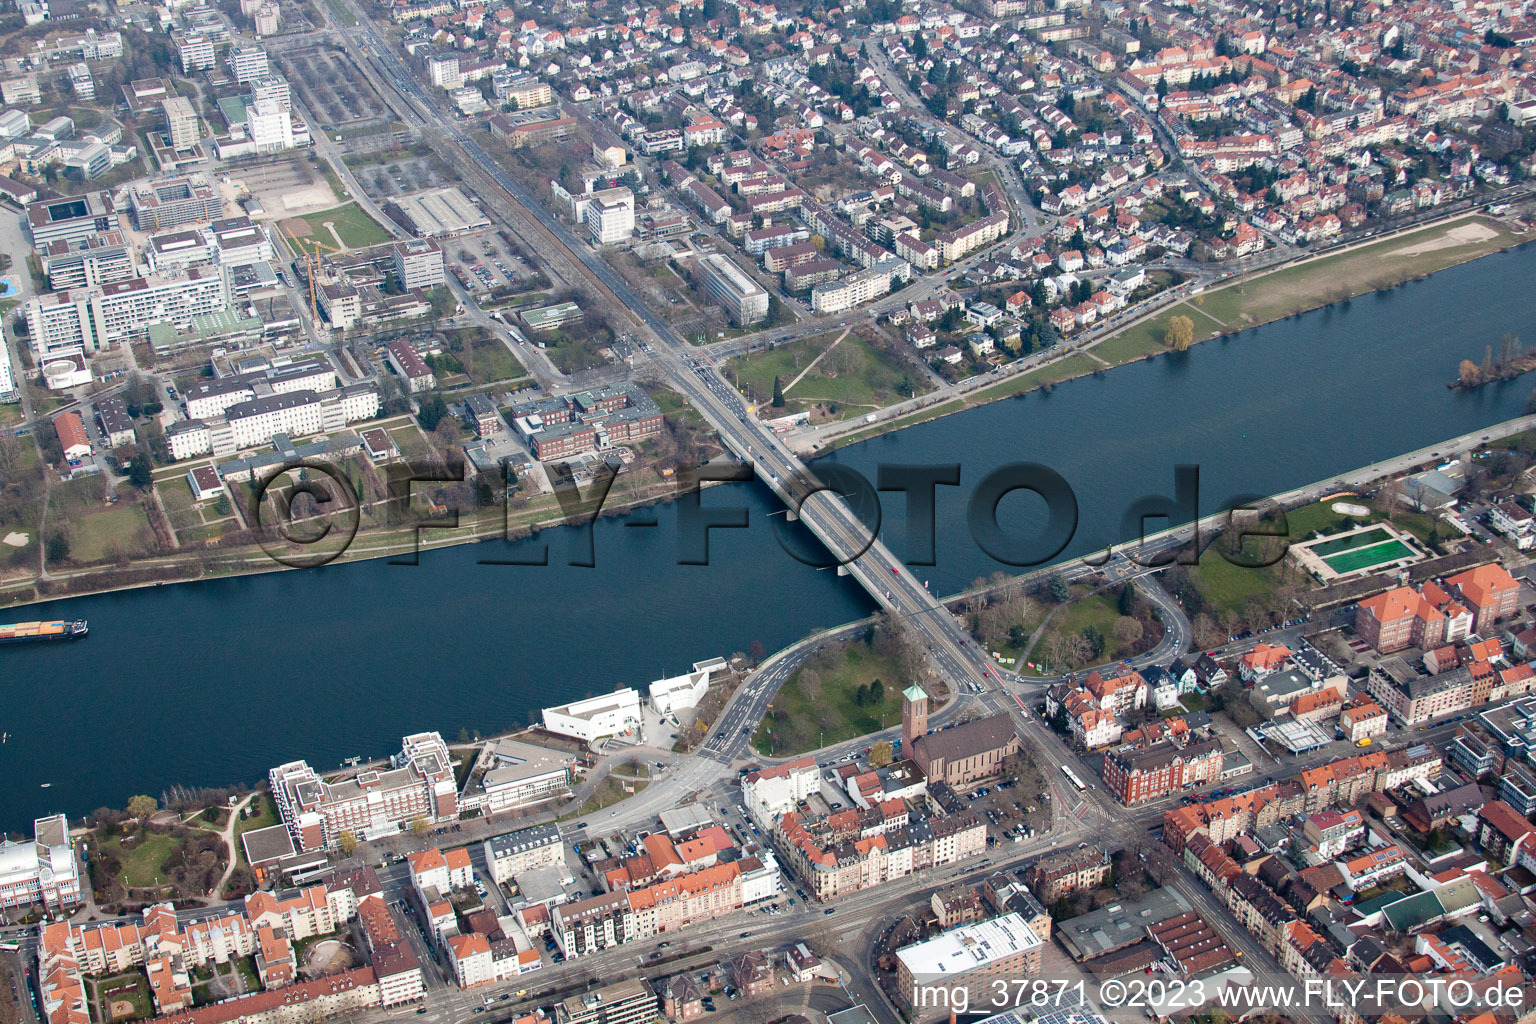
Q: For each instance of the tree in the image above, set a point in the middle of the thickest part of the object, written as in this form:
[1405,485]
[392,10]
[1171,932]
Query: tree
[142,807]
[1126,630]
[880,754]
[1126,602]
[140,473]
[1058,588]
[778,393]
[348,842]
[1180,333]
[810,683]
[1468,374]
[757,652]
[420,827]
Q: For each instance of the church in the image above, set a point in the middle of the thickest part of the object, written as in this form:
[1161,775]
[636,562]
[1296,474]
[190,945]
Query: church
[961,754]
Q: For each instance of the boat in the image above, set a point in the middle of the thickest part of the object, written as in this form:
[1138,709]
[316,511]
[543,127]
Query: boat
[59,629]
[45,785]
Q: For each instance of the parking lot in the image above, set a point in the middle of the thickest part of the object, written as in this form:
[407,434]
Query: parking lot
[286,187]
[482,262]
[331,87]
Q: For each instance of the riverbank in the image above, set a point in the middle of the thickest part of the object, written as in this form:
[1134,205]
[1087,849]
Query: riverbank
[1248,301]
[1281,293]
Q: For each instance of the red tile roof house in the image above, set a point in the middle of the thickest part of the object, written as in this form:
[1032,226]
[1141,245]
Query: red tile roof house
[1502,832]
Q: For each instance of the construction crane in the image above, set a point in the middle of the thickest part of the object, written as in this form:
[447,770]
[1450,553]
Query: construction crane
[311,266]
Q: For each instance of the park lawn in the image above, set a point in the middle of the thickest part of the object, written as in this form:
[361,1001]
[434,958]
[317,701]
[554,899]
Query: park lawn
[674,407]
[175,495]
[356,228]
[494,362]
[93,533]
[10,413]
[410,441]
[142,858]
[1135,342]
[132,986]
[1086,609]
[1319,517]
[1227,587]
[832,716]
[873,382]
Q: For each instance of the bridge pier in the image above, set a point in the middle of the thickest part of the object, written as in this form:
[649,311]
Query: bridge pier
[842,570]
[791,516]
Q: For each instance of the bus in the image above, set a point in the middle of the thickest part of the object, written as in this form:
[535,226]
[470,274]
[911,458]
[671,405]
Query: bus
[1077,783]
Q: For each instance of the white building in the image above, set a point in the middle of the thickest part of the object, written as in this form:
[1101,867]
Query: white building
[248,63]
[742,298]
[254,423]
[685,691]
[853,290]
[269,125]
[610,215]
[612,714]
[772,792]
[526,849]
[42,872]
[418,264]
[121,310]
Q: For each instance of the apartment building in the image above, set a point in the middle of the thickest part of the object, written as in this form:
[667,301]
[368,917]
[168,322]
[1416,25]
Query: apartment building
[863,847]
[43,872]
[1412,696]
[1140,775]
[968,963]
[1060,874]
[524,850]
[419,783]
[956,244]
[407,362]
[196,49]
[742,298]
[855,289]
[769,793]
[211,398]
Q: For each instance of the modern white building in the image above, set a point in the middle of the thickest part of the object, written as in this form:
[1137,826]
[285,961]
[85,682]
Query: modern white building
[685,691]
[248,63]
[517,774]
[612,714]
[742,298]
[773,792]
[43,872]
[269,125]
[121,310]
[610,215]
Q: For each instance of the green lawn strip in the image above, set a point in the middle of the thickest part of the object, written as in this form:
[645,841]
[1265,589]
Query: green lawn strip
[832,715]
[1053,373]
[611,790]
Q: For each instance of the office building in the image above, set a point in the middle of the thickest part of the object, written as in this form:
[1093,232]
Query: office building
[70,219]
[248,63]
[610,215]
[172,202]
[418,264]
[95,259]
[122,310]
[742,298]
[269,124]
[524,850]
[181,123]
[625,1002]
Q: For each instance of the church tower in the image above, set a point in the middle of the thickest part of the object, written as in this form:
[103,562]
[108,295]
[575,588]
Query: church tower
[914,717]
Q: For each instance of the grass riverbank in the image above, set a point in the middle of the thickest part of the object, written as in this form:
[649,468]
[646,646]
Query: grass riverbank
[1254,300]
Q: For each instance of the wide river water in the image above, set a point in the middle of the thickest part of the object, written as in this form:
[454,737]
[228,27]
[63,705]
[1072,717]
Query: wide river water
[215,683]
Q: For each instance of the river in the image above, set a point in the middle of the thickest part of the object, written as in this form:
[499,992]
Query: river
[216,682]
